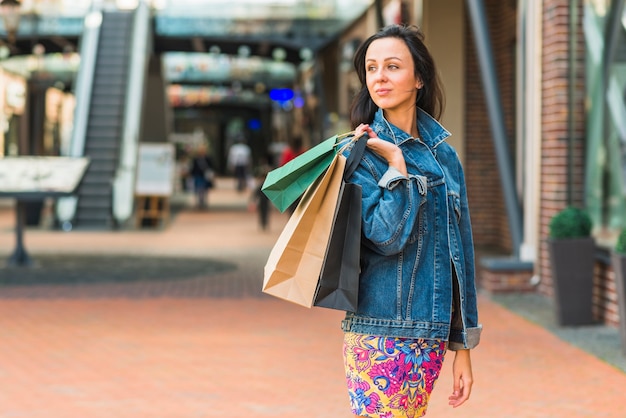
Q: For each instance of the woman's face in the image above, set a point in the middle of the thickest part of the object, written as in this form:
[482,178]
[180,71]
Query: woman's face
[390,75]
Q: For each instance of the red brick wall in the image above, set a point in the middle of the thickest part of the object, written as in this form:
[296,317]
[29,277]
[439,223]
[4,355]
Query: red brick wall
[555,138]
[605,302]
[555,135]
[489,218]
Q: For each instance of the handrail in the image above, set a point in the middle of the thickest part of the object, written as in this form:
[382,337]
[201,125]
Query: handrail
[84,82]
[66,206]
[124,181]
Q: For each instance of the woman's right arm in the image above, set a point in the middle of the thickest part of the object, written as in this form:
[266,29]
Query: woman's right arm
[391,202]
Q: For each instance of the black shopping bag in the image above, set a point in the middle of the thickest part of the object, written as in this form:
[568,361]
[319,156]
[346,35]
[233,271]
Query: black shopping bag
[338,284]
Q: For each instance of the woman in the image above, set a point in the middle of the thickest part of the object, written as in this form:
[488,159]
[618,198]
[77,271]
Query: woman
[417,297]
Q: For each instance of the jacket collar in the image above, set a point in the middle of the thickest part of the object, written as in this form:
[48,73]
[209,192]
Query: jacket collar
[432,133]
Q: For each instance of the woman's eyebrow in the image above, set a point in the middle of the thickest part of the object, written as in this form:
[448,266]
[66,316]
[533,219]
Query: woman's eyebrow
[385,59]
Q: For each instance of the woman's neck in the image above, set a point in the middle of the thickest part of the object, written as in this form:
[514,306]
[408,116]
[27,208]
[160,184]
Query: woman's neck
[405,120]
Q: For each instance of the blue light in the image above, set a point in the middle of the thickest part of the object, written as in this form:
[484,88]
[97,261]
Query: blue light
[298,102]
[281,95]
[254,124]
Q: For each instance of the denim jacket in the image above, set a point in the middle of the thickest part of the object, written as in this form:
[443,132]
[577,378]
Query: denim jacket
[417,253]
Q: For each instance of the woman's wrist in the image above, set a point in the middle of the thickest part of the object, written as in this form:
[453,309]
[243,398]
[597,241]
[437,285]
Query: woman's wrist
[397,161]
[463,352]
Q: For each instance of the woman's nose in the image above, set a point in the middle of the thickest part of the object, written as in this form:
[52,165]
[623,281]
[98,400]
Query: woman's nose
[380,74]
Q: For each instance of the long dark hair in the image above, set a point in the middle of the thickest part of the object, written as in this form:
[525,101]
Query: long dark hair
[430,97]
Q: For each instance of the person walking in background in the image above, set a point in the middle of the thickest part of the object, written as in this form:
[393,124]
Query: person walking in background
[239,161]
[417,296]
[293,149]
[259,202]
[202,172]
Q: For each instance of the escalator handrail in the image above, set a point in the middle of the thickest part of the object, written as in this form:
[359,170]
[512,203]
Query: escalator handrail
[66,206]
[124,182]
[84,81]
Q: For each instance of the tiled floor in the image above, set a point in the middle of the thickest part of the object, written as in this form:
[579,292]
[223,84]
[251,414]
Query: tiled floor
[209,344]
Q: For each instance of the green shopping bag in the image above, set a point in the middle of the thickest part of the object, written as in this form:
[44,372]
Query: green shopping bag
[284,185]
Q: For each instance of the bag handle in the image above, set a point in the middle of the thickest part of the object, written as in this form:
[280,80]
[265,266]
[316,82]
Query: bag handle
[354,158]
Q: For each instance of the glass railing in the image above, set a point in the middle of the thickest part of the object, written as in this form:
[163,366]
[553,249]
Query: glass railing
[257,17]
[264,9]
[221,68]
[232,9]
[305,20]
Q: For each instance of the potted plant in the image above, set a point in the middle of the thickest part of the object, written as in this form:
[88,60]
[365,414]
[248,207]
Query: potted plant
[618,261]
[572,258]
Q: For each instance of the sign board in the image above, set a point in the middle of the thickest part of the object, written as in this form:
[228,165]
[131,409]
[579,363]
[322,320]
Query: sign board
[40,175]
[155,169]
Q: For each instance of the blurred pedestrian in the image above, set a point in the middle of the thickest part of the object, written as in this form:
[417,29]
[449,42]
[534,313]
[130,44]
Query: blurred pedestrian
[239,161]
[259,202]
[417,296]
[293,149]
[203,174]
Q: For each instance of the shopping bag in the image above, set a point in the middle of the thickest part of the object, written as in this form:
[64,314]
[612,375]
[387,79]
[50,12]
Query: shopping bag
[338,285]
[284,185]
[295,262]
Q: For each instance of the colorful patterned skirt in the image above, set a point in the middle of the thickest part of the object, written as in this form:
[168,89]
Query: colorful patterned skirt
[391,377]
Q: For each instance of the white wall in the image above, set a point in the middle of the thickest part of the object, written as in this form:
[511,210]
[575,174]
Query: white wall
[444,28]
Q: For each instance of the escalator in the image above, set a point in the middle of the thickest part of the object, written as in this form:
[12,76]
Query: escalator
[109,104]
[105,122]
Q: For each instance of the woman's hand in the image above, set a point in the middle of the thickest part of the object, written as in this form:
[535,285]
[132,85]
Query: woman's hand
[463,379]
[389,151]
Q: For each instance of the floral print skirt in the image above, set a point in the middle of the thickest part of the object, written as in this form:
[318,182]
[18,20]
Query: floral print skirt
[391,377]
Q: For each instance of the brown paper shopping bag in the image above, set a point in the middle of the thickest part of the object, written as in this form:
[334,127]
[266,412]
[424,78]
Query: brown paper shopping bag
[295,262]
[338,286]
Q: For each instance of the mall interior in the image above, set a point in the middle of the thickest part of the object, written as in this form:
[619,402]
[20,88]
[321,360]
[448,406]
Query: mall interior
[535,101]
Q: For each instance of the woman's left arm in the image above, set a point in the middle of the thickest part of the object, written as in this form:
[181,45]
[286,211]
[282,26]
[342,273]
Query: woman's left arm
[463,378]
[473,328]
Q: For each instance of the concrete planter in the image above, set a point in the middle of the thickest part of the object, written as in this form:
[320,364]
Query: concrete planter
[572,261]
[618,262]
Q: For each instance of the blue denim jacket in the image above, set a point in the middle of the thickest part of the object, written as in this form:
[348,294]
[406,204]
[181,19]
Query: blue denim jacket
[417,256]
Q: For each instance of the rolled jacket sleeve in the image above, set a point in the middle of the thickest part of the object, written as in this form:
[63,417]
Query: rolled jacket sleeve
[391,178]
[472,339]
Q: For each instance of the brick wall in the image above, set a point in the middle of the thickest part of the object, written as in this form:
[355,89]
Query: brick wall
[605,302]
[555,149]
[555,135]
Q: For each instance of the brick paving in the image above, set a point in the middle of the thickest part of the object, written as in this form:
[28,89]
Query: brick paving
[208,343]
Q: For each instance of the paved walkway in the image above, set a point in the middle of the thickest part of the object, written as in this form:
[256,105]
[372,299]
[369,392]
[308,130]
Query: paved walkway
[207,343]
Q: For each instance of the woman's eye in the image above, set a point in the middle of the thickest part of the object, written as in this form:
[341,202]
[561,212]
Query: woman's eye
[371,68]
[393,67]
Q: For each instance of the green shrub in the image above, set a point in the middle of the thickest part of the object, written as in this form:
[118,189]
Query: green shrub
[571,222]
[620,245]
